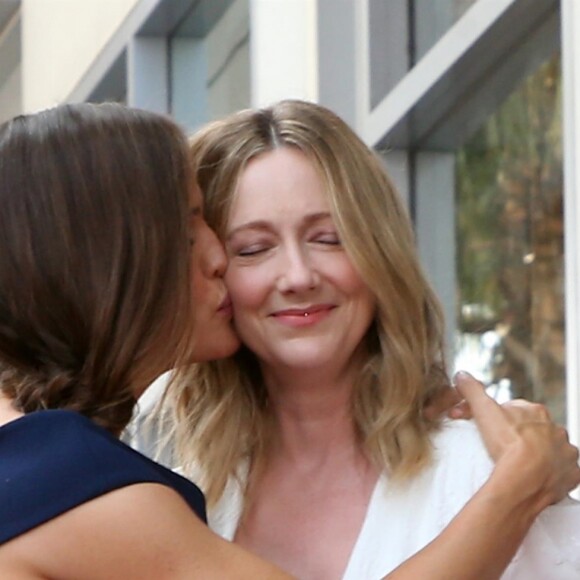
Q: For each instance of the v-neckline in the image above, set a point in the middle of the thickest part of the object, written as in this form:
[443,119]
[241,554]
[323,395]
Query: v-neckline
[365,523]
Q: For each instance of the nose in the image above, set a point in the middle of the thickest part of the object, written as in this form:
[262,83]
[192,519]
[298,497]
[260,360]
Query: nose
[215,260]
[297,273]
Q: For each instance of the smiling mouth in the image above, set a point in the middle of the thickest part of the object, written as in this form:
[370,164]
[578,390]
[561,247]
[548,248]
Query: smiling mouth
[308,311]
[300,317]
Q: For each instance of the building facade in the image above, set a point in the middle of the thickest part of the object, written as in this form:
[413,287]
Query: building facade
[473,105]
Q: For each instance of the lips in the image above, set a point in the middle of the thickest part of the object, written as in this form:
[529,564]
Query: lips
[225,306]
[300,317]
[303,311]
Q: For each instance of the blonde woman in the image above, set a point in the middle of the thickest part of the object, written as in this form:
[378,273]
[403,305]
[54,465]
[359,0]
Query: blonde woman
[311,440]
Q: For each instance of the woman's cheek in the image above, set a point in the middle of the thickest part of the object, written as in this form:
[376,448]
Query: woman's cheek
[241,286]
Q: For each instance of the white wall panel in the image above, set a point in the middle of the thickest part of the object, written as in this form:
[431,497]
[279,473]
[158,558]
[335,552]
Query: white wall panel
[571,82]
[61,39]
[283,50]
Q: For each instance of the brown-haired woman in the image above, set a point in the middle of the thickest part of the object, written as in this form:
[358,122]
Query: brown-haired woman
[109,276]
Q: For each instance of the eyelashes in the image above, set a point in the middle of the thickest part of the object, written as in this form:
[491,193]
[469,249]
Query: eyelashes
[257,249]
[328,240]
[251,251]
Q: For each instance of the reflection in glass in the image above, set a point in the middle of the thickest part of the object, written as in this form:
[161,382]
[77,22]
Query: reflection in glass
[509,229]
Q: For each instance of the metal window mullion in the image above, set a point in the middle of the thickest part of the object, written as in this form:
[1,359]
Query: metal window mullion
[147,74]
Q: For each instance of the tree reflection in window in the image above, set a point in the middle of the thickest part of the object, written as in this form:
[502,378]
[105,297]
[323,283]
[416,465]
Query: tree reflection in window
[509,227]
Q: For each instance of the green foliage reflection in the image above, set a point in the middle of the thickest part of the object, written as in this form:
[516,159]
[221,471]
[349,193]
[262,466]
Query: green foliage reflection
[510,238]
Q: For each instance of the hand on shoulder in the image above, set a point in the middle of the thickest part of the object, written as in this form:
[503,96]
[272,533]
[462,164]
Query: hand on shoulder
[529,450]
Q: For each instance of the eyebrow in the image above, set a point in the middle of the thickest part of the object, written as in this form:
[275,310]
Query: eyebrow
[264,225]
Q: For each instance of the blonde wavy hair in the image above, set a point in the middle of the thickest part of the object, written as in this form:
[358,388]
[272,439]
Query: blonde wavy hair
[221,411]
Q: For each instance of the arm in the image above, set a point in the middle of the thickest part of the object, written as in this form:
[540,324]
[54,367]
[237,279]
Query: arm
[478,544]
[143,531]
[535,466]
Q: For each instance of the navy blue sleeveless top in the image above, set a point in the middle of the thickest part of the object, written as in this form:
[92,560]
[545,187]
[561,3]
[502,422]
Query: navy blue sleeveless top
[53,461]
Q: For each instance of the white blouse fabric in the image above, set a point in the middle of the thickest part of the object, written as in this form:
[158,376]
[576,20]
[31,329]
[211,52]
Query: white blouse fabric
[403,518]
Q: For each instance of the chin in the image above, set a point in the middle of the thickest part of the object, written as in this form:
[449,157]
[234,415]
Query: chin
[304,359]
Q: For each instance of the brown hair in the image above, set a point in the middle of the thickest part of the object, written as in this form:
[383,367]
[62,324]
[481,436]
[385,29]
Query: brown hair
[94,258]
[223,413]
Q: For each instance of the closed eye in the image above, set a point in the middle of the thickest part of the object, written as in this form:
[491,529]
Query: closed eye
[328,239]
[252,250]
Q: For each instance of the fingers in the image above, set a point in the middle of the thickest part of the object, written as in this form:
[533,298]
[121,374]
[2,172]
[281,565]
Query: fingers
[524,442]
[470,388]
[460,411]
[497,427]
[534,411]
[555,460]
[563,434]
[441,402]
[484,408]
[487,413]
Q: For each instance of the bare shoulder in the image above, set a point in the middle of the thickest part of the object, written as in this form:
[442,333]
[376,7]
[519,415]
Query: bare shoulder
[141,531]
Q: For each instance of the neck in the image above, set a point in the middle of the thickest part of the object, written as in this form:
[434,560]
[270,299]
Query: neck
[313,415]
[7,411]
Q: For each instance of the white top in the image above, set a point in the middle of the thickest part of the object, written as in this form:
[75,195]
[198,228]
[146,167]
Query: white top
[403,518]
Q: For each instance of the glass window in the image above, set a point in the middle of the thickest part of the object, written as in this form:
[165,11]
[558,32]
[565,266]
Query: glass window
[388,46]
[509,239]
[210,62]
[432,19]
[113,85]
[400,33]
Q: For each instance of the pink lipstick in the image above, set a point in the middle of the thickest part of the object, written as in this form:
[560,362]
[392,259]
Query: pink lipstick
[302,317]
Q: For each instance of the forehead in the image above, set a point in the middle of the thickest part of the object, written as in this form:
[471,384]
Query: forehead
[282,180]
